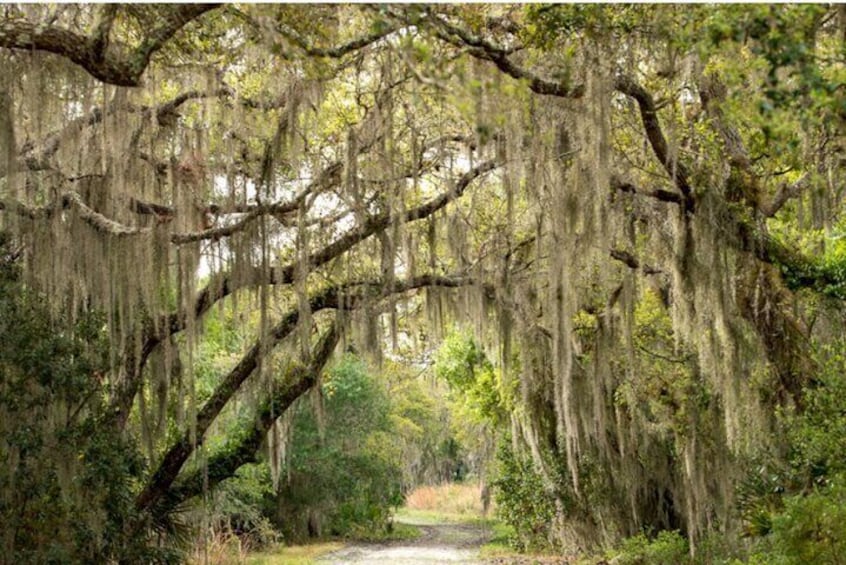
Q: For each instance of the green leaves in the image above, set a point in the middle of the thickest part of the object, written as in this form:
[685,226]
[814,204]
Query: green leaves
[523,500]
[67,479]
[345,474]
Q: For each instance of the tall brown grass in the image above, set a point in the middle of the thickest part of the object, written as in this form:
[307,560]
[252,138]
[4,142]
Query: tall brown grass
[450,498]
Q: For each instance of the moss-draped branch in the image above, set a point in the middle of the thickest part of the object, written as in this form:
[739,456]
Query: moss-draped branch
[121,67]
[221,286]
[348,296]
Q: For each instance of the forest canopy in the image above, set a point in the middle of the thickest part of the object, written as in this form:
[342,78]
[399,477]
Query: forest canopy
[636,211]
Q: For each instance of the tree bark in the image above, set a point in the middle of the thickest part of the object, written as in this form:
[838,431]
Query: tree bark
[223,465]
[333,297]
[92,53]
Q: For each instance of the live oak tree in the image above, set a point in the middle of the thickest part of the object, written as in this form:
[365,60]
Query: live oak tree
[637,209]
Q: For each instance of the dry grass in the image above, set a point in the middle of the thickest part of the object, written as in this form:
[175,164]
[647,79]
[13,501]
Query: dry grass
[219,549]
[294,555]
[450,498]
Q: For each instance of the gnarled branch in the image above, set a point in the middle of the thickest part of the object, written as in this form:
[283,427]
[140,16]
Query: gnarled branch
[91,53]
[649,116]
[346,296]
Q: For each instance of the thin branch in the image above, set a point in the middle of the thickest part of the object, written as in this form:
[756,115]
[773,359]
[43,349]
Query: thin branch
[655,135]
[340,50]
[151,208]
[483,49]
[680,361]
[100,39]
[658,193]
[222,287]
[73,200]
[165,113]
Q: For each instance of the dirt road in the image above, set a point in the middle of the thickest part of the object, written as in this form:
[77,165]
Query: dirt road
[440,543]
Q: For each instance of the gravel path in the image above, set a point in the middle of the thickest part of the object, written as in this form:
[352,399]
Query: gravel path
[439,543]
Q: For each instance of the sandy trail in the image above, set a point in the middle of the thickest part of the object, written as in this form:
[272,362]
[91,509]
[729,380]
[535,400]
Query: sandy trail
[439,543]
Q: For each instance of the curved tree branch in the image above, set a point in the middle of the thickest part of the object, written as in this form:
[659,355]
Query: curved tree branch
[91,53]
[338,51]
[480,48]
[655,135]
[35,159]
[222,286]
[346,296]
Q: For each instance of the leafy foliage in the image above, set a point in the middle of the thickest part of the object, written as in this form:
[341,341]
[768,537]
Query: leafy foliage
[797,502]
[342,476]
[68,479]
[523,501]
[667,548]
[642,198]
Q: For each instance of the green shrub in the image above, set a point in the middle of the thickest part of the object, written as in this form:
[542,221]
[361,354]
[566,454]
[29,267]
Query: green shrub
[523,501]
[242,505]
[667,548]
[812,528]
[796,506]
[345,478]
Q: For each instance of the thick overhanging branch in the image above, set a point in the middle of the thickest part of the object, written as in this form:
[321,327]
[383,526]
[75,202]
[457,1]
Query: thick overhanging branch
[346,296]
[297,381]
[482,49]
[92,53]
[222,286]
